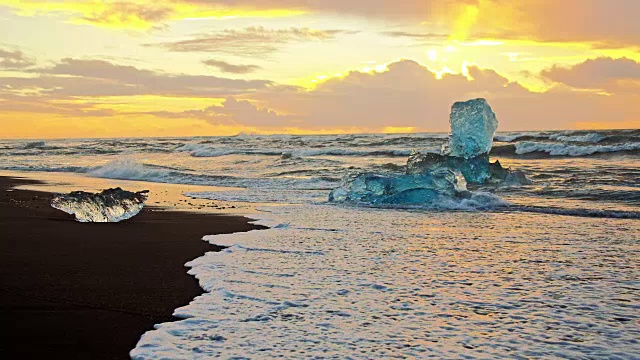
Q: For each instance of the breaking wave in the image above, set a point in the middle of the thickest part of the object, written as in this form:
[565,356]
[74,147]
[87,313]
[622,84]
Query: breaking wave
[199,150]
[608,137]
[34,145]
[556,149]
[588,138]
[126,169]
[519,137]
[548,149]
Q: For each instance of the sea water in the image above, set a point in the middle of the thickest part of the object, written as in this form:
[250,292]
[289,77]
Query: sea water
[549,270]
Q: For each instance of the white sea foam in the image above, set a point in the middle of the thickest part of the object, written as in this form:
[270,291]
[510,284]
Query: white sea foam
[204,150]
[556,149]
[334,282]
[588,138]
[128,169]
[515,136]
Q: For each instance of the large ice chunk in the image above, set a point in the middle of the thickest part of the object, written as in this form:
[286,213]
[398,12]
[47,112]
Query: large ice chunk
[413,189]
[433,179]
[476,171]
[111,205]
[473,125]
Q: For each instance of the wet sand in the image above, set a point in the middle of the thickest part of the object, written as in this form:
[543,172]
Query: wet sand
[73,290]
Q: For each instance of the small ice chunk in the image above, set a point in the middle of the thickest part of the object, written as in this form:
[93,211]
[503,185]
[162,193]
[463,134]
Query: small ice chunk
[473,125]
[111,205]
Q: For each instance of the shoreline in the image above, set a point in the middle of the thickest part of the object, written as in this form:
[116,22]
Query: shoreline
[77,290]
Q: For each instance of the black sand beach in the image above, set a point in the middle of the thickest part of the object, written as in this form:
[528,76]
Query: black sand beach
[73,290]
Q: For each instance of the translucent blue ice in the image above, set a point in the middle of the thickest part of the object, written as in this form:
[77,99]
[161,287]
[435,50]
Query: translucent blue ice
[477,171]
[111,205]
[411,189]
[473,125]
[432,179]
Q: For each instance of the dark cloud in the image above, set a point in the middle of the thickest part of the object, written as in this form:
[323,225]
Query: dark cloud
[32,104]
[233,111]
[415,36]
[251,41]
[601,73]
[231,68]
[13,59]
[79,77]
[129,13]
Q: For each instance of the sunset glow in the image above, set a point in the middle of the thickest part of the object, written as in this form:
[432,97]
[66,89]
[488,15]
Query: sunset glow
[183,68]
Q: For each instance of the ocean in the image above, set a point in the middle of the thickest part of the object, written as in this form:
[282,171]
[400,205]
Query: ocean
[547,270]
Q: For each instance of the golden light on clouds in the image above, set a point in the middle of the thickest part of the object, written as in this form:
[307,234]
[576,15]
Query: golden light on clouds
[464,22]
[190,67]
[137,14]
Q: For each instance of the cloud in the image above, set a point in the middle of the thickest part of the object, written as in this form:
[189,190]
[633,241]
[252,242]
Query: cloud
[231,68]
[30,104]
[386,8]
[611,23]
[601,73]
[406,95]
[138,14]
[603,23]
[238,112]
[251,41]
[126,14]
[92,77]
[409,95]
[12,59]
[414,35]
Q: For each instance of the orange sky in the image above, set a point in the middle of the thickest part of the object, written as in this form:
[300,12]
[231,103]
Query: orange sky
[220,67]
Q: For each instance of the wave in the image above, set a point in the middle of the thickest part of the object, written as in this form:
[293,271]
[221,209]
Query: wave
[587,138]
[126,169]
[578,136]
[34,145]
[489,202]
[45,168]
[198,150]
[548,149]
[347,152]
[592,213]
[520,137]
[301,172]
[479,200]
[400,141]
[503,150]
[555,149]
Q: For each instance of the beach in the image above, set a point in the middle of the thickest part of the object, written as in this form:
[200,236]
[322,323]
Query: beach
[76,290]
[507,270]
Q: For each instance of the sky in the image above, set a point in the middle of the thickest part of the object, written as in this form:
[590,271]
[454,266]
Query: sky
[134,68]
